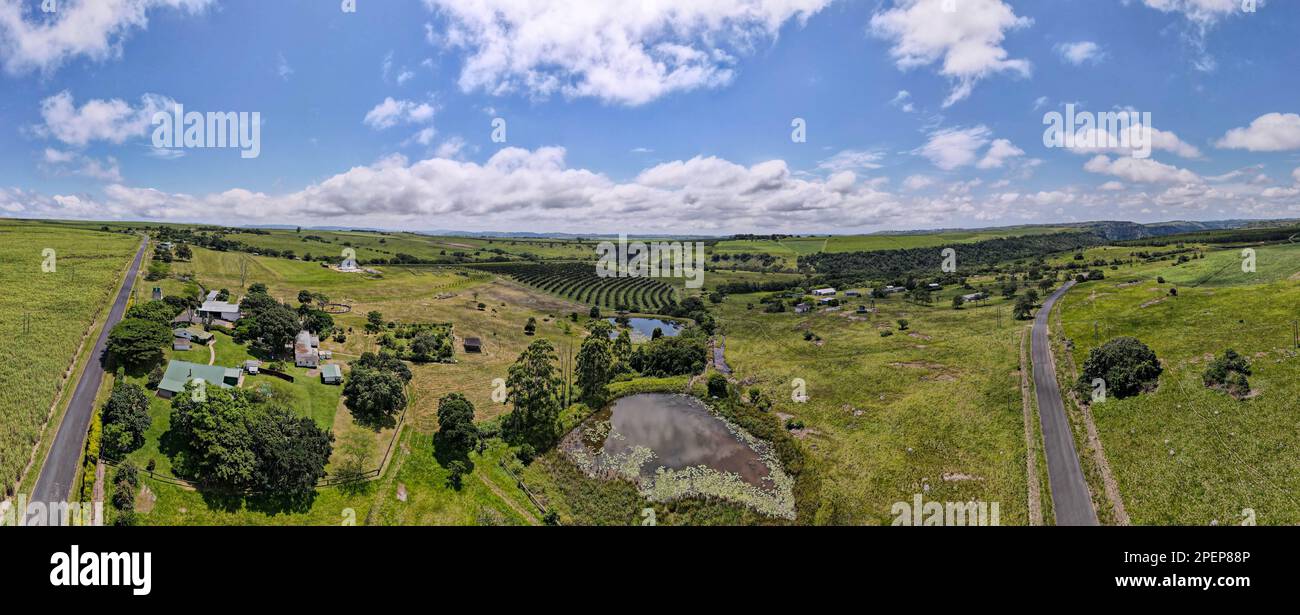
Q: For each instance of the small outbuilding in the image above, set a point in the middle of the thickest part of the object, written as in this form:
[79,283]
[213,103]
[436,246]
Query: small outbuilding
[473,344]
[331,374]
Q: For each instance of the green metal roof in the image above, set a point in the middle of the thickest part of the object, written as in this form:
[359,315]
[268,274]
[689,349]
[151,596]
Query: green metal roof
[331,371]
[181,372]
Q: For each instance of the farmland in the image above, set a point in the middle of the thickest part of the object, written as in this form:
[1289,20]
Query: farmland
[580,283]
[44,318]
[1187,454]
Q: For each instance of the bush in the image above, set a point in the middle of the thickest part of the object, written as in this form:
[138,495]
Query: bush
[1128,367]
[717,385]
[1228,373]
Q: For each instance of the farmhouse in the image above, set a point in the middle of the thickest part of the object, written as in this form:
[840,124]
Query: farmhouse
[891,289]
[198,337]
[824,292]
[933,286]
[304,352]
[180,373]
[331,374]
[473,344]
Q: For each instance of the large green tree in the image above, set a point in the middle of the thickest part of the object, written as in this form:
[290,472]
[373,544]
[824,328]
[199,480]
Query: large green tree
[138,343]
[533,387]
[375,390]
[1127,366]
[595,368]
[457,434]
[291,451]
[126,418]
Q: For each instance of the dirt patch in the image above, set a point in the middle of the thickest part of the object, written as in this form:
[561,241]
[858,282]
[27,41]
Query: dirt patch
[920,336]
[955,477]
[401,492]
[145,500]
[1128,284]
[1153,302]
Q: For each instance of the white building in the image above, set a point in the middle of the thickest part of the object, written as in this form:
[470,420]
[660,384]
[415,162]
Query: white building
[824,292]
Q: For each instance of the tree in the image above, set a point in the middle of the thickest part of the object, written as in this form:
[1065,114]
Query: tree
[902,324]
[138,343]
[304,296]
[318,322]
[1127,366]
[595,312]
[374,322]
[533,387]
[595,363]
[1024,309]
[656,334]
[291,451]
[275,328]
[531,326]
[215,429]
[622,349]
[457,435]
[184,252]
[717,385]
[670,356]
[160,312]
[957,302]
[126,419]
[374,395]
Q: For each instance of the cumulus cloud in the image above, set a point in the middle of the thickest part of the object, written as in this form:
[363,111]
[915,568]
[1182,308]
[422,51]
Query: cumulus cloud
[998,153]
[1099,141]
[966,43]
[1201,12]
[1140,170]
[392,112]
[903,100]
[619,51]
[1080,52]
[112,120]
[917,182]
[95,29]
[1272,132]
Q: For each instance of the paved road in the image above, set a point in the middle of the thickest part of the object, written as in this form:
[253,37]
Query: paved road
[1070,501]
[64,457]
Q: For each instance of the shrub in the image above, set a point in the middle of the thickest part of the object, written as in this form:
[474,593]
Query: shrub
[1228,373]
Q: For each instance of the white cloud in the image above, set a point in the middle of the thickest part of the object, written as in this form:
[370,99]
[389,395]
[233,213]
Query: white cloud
[95,29]
[1140,170]
[849,160]
[1272,132]
[1112,186]
[405,76]
[1160,140]
[903,100]
[1296,175]
[392,112]
[1201,12]
[1080,52]
[619,51]
[113,120]
[917,182]
[451,148]
[967,43]
[998,153]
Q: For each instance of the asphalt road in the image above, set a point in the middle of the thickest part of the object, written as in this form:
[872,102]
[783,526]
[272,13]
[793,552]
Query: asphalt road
[1070,501]
[64,457]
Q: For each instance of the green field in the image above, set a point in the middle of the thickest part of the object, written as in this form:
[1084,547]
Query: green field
[791,248]
[44,317]
[1186,454]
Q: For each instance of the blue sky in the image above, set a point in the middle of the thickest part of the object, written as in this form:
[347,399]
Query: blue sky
[668,117]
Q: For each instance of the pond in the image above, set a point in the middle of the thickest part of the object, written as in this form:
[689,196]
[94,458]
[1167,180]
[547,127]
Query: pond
[674,446]
[644,328]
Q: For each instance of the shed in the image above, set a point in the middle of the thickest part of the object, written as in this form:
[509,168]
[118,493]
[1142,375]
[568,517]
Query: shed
[473,344]
[331,374]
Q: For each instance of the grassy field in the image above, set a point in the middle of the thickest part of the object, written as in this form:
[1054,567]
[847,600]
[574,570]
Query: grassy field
[44,317]
[791,248]
[934,410]
[1186,454]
